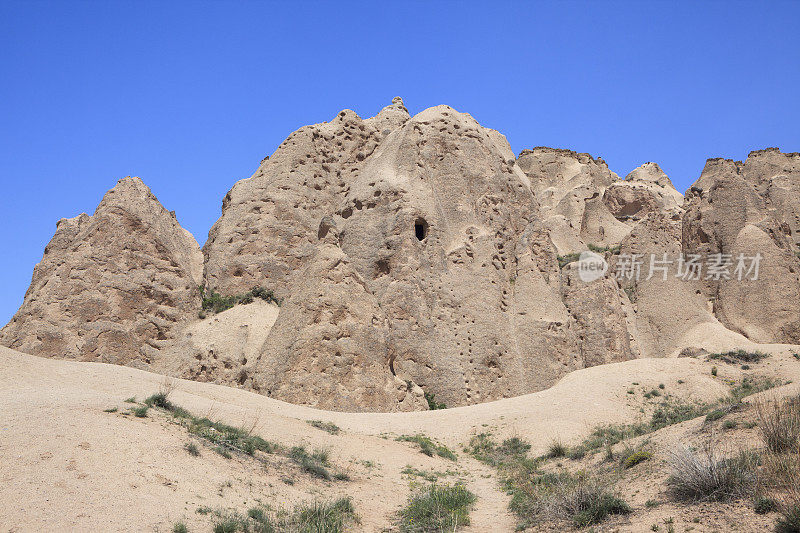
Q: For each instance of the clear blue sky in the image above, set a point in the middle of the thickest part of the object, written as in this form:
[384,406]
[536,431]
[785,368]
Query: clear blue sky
[190,96]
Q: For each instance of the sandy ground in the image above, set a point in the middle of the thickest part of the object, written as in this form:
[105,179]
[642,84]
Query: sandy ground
[66,465]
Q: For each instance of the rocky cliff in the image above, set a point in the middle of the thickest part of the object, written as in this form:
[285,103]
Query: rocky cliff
[418,256]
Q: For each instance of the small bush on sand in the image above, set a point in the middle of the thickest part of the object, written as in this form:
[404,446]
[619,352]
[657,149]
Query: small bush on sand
[556,449]
[330,427]
[779,423]
[314,463]
[179,527]
[739,356]
[437,508]
[140,412]
[538,496]
[635,457]
[316,517]
[705,475]
[764,505]
[579,499]
[429,447]
[192,448]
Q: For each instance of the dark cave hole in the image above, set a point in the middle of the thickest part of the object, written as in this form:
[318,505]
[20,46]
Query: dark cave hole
[420,229]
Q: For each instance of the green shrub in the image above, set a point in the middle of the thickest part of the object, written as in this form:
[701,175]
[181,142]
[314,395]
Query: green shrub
[330,427]
[179,527]
[159,399]
[484,449]
[111,410]
[223,452]
[140,411]
[635,458]
[764,505]
[716,414]
[192,448]
[729,424]
[595,507]
[432,404]
[564,260]
[428,447]
[215,302]
[556,449]
[437,508]
[226,525]
[739,356]
[313,463]
[577,453]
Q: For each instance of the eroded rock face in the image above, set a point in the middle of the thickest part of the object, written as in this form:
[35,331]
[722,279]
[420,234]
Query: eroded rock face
[645,190]
[570,188]
[270,222]
[433,229]
[748,208]
[417,255]
[111,287]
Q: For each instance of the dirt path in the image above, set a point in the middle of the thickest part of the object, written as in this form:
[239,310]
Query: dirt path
[491,510]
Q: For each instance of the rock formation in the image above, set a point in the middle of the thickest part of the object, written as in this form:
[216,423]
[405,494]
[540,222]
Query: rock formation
[113,286]
[416,256]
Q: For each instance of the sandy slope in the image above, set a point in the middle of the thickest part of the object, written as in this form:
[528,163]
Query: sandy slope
[67,465]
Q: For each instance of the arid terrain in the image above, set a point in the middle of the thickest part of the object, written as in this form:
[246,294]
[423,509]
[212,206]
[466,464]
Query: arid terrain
[396,324]
[70,465]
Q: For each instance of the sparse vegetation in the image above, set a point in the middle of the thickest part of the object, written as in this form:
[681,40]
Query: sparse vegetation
[132,399]
[179,527]
[635,458]
[140,412]
[603,249]
[705,475]
[316,517]
[111,410]
[630,291]
[192,448]
[750,385]
[729,424]
[223,452]
[315,463]
[429,447]
[714,371]
[538,496]
[216,303]
[738,357]
[764,505]
[556,449]
[330,427]
[226,439]
[564,260]
[431,477]
[432,403]
[437,508]
[779,423]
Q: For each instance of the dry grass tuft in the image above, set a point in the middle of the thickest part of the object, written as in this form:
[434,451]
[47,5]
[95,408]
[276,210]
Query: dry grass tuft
[707,475]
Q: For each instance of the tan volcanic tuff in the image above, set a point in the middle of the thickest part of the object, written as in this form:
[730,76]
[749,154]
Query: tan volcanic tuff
[416,256]
[134,474]
[113,286]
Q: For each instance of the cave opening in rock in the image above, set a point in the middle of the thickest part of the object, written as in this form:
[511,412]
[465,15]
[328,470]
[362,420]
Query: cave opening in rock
[420,229]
